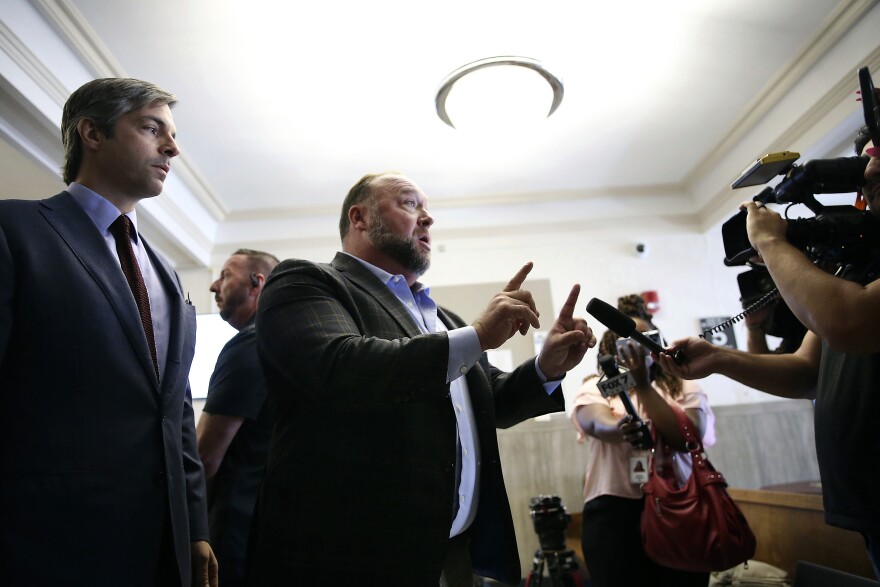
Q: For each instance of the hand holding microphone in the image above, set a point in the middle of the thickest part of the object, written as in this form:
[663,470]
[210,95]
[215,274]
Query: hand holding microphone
[617,383]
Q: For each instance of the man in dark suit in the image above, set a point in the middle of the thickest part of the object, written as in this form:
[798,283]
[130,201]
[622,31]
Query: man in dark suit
[384,466]
[101,483]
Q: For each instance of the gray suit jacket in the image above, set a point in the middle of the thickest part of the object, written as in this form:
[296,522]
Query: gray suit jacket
[360,478]
[95,455]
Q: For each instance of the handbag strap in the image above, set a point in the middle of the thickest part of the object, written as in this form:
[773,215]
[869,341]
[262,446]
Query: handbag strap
[703,471]
[688,431]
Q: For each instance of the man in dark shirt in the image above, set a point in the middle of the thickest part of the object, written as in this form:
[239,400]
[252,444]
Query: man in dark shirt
[234,429]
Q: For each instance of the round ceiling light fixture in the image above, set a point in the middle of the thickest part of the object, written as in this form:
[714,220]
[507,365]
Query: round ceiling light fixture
[507,60]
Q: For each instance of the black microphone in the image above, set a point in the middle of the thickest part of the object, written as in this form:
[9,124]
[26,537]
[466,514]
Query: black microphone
[625,326]
[609,366]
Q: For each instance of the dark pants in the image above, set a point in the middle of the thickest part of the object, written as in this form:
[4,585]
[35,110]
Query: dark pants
[457,568]
[872,542]
[612,546]
[231,571]
[167,573]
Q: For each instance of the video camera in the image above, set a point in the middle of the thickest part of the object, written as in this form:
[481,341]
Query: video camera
[550,518]
[836,233]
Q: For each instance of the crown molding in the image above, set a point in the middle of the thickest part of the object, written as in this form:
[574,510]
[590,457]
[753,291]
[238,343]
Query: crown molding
[841,91]
[199,187]
[836,26]
[652,225]
[73,28]
[469,202]
[80,36]
[31,65]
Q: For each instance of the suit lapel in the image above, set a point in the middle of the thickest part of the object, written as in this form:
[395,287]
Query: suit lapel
[355,272]
[182,317]
[79,233]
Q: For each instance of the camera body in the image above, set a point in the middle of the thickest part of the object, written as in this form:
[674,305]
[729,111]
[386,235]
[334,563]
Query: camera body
[550,519]
[836,234]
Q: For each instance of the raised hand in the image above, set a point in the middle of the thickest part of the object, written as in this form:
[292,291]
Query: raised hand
[510,311]
[568,340]
[633,356]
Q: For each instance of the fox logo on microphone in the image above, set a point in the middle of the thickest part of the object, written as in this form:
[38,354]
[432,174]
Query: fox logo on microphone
[620,383]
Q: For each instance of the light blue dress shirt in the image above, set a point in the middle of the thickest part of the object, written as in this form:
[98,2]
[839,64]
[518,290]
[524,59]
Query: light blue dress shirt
[464,352]
[103,214]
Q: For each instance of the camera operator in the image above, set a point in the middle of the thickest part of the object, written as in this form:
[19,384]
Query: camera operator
[757,325]
[613,498]
[838,362]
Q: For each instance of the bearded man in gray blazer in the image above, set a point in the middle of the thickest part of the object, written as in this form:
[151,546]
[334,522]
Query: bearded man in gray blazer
[101,484]
[384,466]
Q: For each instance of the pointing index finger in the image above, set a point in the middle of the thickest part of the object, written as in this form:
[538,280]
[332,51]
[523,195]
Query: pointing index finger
[567,310]
[518,279]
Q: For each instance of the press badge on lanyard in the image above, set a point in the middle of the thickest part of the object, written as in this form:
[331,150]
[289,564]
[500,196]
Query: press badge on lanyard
[638,467]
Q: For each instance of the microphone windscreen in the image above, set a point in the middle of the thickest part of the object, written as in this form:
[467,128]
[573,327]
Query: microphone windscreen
[608,364]
[611,317]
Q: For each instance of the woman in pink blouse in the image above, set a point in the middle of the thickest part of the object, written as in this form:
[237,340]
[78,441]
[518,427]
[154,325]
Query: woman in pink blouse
[613,499]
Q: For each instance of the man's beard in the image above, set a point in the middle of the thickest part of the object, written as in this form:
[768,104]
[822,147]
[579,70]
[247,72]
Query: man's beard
[403,249]
[231,302]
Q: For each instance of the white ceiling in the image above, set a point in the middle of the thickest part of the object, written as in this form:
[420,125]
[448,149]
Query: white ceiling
[285,105]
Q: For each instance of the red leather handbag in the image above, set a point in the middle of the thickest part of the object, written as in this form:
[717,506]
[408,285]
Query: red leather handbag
[696,527]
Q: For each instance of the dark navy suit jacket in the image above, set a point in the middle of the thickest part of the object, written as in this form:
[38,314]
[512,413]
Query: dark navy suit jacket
[95,455]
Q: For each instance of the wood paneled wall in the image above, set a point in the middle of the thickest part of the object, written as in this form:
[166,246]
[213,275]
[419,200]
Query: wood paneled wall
[791,526]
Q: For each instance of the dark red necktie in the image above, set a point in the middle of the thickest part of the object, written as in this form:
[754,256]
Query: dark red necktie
[121,231]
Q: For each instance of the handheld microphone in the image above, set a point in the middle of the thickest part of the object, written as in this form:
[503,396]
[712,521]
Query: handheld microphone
[625,326]
[618,383]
